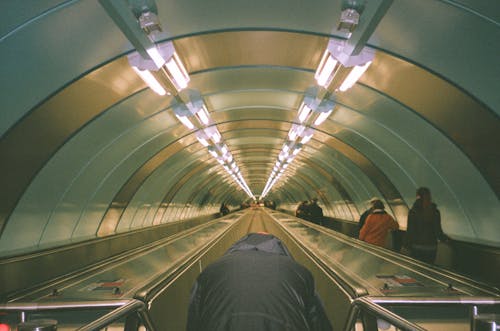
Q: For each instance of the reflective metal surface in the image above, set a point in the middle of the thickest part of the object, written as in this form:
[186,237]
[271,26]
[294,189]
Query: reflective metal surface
[89,151]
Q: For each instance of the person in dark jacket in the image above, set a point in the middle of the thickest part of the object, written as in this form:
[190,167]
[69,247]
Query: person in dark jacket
[315,212]
[256,285]
[302,209]
[223,209]
[424,227]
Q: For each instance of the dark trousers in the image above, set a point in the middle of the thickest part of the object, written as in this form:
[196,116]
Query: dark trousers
[424,255]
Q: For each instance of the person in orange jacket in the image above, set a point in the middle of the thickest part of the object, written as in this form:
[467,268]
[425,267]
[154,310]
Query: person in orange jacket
[377,225]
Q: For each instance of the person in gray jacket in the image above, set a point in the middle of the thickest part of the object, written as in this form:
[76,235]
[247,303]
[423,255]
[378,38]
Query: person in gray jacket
[256,285]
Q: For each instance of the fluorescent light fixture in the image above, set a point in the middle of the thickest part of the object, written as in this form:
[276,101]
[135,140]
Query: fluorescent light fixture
[353,76]
[304,112]
[179,75]
[295,131]
[202,138]
[325,69]
[297,149]
[155,55]
[307,136]
[203,115]
[224,149]
[322,117]
[212,151]
[184,120]
[202,141]
[149,79]
[214,134]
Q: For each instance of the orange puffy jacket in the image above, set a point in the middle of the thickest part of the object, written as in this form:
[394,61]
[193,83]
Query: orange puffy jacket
[377,226]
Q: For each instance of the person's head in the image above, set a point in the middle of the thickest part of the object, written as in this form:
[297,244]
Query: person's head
[378,204]
[260,241]
[372,201]
[424,194]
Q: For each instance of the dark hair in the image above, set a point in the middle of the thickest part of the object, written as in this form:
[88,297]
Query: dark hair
[423,192]
[378,204]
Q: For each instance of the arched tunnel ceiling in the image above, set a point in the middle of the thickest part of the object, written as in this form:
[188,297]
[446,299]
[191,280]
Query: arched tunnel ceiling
[83,135]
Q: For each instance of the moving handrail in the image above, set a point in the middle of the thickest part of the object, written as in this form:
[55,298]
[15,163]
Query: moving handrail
[373,305]
[368,305]
[121,309]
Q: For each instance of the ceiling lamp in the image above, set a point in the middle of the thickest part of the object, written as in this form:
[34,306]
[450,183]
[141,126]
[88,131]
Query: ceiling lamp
[340,71]
[140,24]
[190,109]
[315,109]
[163,68]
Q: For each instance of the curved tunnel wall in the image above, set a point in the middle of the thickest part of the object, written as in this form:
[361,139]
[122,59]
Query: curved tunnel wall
[89,151]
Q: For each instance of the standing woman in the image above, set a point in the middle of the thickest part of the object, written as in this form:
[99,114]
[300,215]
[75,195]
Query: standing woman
[424,227]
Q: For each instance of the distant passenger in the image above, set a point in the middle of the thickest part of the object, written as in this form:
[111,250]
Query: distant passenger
[224,210]
[362,218]
[315,213]
[377,226]
[424,227]
[256,285]
[302,209]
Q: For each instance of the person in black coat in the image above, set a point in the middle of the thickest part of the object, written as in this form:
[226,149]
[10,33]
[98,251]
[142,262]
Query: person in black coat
[424,227]
[256,285]
[315,212]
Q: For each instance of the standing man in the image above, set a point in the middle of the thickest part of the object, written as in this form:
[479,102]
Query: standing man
[362,218]
[424,227]
[256,285]
[315,212]
[377,226]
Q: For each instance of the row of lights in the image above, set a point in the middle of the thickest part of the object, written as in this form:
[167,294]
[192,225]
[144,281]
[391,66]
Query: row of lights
[161,69]
[194,115]
[338,71]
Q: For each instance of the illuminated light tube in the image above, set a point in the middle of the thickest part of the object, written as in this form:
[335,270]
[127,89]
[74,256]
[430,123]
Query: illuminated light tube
[353,76]
[150,80]
[202,141]
[307,137]
[325,69]
[214,134]
[304,112]
[297,150]
[202,138]
[322,117]
[224,150]
[184,120]
[155,55]
[212,151]
[203,115]
[295,131]
[180,77]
